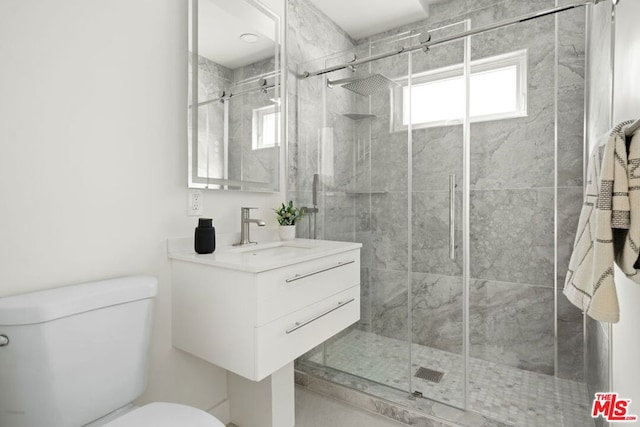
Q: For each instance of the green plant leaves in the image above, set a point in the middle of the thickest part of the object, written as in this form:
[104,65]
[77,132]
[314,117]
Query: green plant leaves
[288,214]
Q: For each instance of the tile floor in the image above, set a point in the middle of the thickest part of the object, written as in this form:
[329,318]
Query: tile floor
[511,395]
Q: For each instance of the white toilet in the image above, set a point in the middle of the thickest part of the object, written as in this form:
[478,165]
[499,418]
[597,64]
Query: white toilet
[77,356]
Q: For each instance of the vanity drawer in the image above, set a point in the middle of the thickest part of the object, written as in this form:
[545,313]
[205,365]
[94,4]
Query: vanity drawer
[285,290]
[281,341]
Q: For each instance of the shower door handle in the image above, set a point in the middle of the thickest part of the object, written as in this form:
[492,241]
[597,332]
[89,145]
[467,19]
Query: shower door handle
[452,216]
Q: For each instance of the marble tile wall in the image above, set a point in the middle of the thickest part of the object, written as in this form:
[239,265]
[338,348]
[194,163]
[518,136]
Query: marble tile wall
[316,410]
[320,138]
[512,200]
[571,341]
[513,193]
[243,162]
[570,157]
[212,79]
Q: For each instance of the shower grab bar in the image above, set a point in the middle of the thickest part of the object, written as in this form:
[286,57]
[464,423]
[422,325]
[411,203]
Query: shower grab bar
[322,270]
[452,216]
[313,319]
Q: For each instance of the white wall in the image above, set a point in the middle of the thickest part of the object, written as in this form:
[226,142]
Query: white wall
[93,159]
[626,106]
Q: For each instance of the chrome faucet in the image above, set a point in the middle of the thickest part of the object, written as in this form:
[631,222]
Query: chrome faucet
[245,220]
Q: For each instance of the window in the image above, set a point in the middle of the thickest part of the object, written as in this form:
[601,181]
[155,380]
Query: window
[498,90]
[266,127]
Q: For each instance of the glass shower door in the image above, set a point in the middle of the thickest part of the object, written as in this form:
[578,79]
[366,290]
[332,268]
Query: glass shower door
[387,147]
[372,188]
[434,93]
[526,145]
[362,171]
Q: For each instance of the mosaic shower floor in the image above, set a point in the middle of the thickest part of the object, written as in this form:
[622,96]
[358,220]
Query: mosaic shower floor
[515,396]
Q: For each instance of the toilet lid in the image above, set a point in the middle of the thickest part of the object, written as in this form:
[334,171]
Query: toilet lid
[160,414]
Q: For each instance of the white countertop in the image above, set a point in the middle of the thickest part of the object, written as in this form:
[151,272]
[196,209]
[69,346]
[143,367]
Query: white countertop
[263,256]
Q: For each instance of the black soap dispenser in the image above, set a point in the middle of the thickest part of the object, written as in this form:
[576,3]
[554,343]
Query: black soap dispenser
[205,238]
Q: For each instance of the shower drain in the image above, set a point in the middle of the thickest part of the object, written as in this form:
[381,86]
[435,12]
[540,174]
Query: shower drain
[429,374]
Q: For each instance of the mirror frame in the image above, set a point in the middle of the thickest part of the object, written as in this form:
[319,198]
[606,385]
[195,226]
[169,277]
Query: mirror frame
[279,79]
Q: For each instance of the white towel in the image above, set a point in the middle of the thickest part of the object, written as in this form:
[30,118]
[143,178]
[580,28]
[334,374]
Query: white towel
[627,242]
[605,230]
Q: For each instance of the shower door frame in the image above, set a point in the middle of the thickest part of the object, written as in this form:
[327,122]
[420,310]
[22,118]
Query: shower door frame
[466,167]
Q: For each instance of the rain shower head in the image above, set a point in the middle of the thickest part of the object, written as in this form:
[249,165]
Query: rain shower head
[369,85]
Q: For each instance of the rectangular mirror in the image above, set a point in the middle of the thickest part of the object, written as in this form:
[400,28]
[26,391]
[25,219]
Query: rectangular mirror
[235,122]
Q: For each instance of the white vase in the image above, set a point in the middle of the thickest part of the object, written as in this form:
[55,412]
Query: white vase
[287,232]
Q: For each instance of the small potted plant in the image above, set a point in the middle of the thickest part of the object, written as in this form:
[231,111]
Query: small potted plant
[287,216]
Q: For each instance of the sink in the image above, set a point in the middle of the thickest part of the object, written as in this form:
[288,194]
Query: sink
[268,255]
[277,250]
[289,248]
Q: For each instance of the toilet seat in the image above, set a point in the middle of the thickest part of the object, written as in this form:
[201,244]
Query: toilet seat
[161,414]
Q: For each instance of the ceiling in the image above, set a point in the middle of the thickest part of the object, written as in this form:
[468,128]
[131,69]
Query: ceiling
[220,24]
[363,18]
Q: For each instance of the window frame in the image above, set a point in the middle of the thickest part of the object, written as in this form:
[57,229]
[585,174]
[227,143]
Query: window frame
[257,137]
[518,58]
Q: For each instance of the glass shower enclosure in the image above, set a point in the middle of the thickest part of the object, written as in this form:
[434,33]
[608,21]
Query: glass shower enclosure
[458,168]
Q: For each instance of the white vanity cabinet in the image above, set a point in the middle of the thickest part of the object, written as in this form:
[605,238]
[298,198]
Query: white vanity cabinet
[254,310]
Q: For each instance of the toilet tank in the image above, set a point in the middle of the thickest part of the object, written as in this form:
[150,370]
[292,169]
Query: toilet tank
[75,353]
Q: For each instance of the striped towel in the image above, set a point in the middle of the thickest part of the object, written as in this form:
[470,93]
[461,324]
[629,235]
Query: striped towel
[608,229]
[627,242]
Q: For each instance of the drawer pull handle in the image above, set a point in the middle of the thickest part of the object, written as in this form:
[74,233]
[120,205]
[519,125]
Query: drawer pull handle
[306,322]
[302,276]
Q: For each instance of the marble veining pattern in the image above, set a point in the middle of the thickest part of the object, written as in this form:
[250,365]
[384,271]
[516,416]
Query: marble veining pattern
[430,238]
[512,236]
[437,311]
[570,136]
[516,153]
[570,337]
[570,201]
[318,143]
[315,410]
[443,143]
[510,322]
[389,311]
[512,325]
[571,47]
[242,161]
[212,79]
[390,231]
